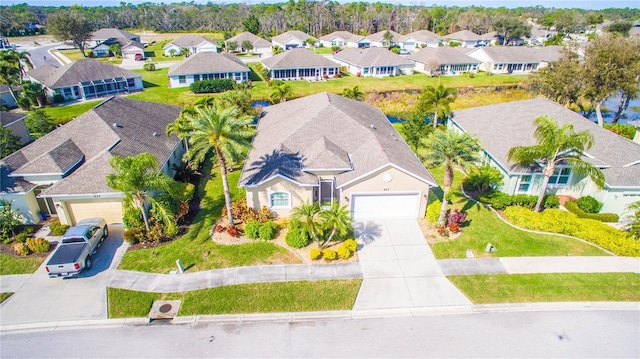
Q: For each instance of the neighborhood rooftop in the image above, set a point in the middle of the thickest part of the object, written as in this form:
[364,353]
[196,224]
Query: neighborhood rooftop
[374,56]
[77,72]
[7,118]
[247,36]
[208,62]
[112,33]
[297,58]
[443,55]
[190,41]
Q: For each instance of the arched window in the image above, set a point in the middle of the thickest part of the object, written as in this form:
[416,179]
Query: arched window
[280,200]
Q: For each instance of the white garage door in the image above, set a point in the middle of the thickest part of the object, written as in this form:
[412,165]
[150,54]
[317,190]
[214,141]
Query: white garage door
[385,205]
[111,211]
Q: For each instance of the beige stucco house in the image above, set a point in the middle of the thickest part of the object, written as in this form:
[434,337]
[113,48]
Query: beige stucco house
[325,147]
[63,174]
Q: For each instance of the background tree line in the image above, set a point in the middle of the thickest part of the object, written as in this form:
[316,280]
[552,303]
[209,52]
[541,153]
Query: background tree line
[315,17]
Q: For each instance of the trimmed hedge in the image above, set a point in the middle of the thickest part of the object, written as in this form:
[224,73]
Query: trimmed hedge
[501,200]
[558,221]
[212,86]
[433,211]
[589,204]
[572,206]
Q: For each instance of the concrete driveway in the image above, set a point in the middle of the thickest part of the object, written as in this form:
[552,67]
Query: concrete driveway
[399,268]
[44,299]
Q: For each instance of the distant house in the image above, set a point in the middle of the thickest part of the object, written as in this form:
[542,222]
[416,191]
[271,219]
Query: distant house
[63,174]
[345,39]
[84,79]
[375,61]
[443,61]
[323,148]
[292,39]
[539,35]
[102,35]
[205,66]
[503,126]
[549,54]
[128,49]
[131,49]
[377,39]
[465,38]
[193,43]
[15,122]
[260,45]
[300,64]
[419,39]
[6,98]
[507,59]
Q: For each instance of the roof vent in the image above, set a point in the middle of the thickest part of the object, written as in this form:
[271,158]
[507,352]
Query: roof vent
[116,125]
[155,134]
[372,126]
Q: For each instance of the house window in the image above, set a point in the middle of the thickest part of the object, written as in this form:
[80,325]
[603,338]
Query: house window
[280,200]
[560,177]
[525,184]
[182,79]
[131,82]
[196,78]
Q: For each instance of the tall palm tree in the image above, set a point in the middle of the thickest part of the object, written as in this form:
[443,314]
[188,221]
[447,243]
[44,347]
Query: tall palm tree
[182,126]
[353,93]
[185,52]
[9,69]
[336,218]
[437,101]
[224,132]
[555,145]
[140,179]
[280,93]
[451,148]
[309,216]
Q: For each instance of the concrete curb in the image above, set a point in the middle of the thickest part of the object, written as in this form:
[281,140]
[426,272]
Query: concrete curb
[293,317]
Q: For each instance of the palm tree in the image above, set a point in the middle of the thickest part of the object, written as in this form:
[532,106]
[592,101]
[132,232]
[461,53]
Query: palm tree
[9,69]
[353,93]
[450,148]
[140,180]
[634,219]
[35,93]
[437,101]
[309,216]
[185,52]
[280,93]
[336,218]
[556,145]
[115,49]
[182,126]
[223,131]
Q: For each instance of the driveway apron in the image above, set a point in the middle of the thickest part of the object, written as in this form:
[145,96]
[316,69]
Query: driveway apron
[399,268]
[44,299]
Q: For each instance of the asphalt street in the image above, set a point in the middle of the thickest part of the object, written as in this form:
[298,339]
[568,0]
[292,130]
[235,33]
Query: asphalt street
[560,334]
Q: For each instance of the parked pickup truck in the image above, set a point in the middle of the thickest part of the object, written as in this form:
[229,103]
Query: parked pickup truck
[76,247]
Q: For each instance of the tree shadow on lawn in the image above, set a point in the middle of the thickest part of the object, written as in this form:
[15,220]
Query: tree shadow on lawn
[147,84]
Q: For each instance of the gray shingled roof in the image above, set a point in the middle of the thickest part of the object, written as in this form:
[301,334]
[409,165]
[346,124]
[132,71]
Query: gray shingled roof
[297,34]
[374,56]
[503,126]
[189,41]
[422,35]
[444,55]
[111,33]
[78,71]
[345,35]
[510,54]
[256,41]
[464,35]
[5,88]
[326,131]
[92,139]
[549,53]
[208,62]
[10,117]
[297,59]
[379,36]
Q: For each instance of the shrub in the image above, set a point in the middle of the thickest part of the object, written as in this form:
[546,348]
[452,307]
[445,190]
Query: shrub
[351,244]
[315,253]
[624,130]
[558,221]
[251,229]
[220,228]
[433,211]
[20,248]
[212,86]
[344,252]
[335,48]
[443,231]
[574,207]
[338,75]
[134,235]
[482,179]
[58,229]
[296,237]
[457,217]
[233,231]
[454,227]
[58,98]
[329,254]
[275,83]
[149,66]
[38,245]
[589,204]
[501,200]
[264,214]
[155,233]
[268,230]
[21,237]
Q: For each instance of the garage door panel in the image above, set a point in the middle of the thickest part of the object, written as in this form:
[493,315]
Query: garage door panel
[385,205]
[111,211]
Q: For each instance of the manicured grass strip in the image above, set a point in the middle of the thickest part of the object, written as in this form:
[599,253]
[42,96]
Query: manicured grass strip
[196,250]
[303,296]
[156,89]
[559,287]
[485,227]
[4,296]
[12,265]
[64,114]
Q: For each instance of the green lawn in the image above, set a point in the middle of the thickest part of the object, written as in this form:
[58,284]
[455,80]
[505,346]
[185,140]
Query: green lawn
[12,265]
[65,113]
[322,50]
[156,90]
[75,55]
[4,296]
[558,287]
[156,48]
[196,250]
[485,227]
[303,296]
